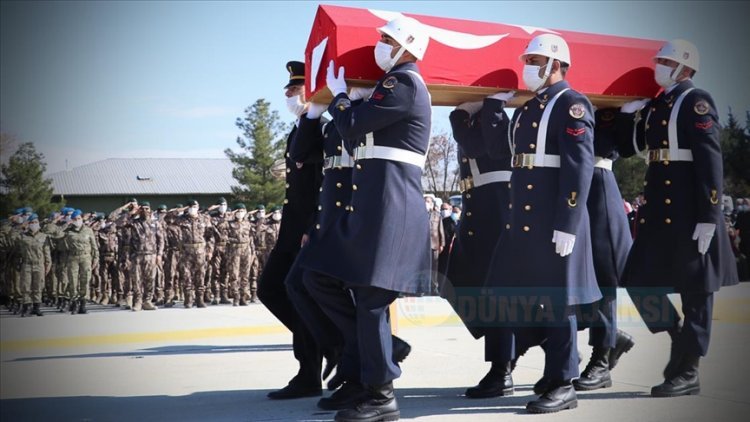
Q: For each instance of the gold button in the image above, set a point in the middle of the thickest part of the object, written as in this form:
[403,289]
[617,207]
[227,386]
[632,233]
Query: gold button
[320,189]
[665,162]
[361,144]
[534,124]
[287,155]
[288,170]
[541,106]
[346,207]
[667,182]
[532,146]
[653,109]
[508,185]
[468,196]
[510,206]
[507,226]
[287,185]
[320,207]
[669,105]
[359,167]
[338,148]
[526,228]
[338,185]
[317,226]
[645,183]
[525,107]
[648,126]
[468,213]
[665,142]
[354,187]
[527,207]
[668,220]
[643,220]
[351,208]
[286,201]
[667,201]
[529,187]
[518,125]
[464,160]
[663,122]
[471,233]
[338,203]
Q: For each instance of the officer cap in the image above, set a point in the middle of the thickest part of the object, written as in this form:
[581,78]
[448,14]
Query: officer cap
[132,200]
[221,201]
[162,207]
[51,215]
[296,73]
[260,207]
[178,205]
[192,202]
[146,204]
[239,206]
[276,208]
[76,213]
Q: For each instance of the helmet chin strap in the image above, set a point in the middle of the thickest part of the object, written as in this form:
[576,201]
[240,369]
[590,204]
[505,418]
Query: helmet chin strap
[397,57]
[676,72]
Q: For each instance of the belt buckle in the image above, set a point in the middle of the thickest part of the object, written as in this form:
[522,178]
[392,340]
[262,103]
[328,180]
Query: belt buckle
[327,162]
[359,153]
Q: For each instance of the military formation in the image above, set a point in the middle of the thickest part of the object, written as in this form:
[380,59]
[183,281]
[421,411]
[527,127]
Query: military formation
[135,258]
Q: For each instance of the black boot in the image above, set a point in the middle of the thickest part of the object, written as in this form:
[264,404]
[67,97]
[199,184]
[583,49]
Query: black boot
[675,354]
[401,349]
[82,306]
[623,344]
[24,309]
[498,382]
[596,375]
[514,361]
[347,397]
[541,386]
[73,306]
[684,383]
[37,310]
[296,389]
[559,397]
[379,405]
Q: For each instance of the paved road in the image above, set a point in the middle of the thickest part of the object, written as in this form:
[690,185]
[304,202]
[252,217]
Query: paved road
[218,364]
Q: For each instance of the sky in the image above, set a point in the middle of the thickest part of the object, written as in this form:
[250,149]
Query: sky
[86,81]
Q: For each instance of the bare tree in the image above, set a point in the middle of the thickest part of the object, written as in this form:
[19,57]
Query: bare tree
[440,175]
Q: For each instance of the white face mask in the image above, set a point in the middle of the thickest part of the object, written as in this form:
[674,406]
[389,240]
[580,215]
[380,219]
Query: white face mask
[383,56]
[180,214]
[222,209]
[276,216]
[34,227]
[241,215]
[446,213]
[295,105]
[193,211]
[78,223]
[428,206]
[261,214]
[531,77]
[663,75]
[103,225]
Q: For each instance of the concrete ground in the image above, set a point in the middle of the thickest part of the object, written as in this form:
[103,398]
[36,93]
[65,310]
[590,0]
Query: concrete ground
[218,364]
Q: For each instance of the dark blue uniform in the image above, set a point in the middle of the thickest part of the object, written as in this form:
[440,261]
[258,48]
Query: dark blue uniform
[550,184]
[683,187]
[485,213]
[381,245]
[610,234]
[302,184]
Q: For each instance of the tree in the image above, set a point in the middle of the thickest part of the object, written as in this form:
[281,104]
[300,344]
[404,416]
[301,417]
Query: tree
[735,146]
[262,144]
[441,168]
[630,173]
[23,184]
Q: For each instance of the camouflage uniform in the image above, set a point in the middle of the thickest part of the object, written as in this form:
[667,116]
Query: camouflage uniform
[218,271]
[147,243]
[266,233]
[195,232]
[54,234]
[95,287]
[60,262]
[33,250]
[171,258]
[108,272]
[124,262]
[82,251]
[241,260]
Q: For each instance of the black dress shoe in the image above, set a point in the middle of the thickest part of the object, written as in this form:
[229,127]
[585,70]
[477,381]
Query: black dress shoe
[347,397]
[295,391]
[596,375]
[623,344]
[684,383]
[554,400]
[379,405]
[498,382]
[542,386]
[401,349]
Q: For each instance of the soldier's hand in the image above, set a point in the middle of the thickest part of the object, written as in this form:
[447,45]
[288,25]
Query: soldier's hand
[470,107]
[503,96]
[703,233]
[358,93]
[633,106]
[564,242]
[315,110]
[336,84]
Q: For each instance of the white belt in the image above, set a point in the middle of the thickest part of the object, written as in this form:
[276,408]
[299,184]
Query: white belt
[483,179]
[655,155]
[337,161]
[531,160]
[603,163]
[389,153]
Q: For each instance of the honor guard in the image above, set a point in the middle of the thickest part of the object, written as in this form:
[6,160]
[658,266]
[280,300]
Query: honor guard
[302,184]
[681,243]
[545,249]
[380,246]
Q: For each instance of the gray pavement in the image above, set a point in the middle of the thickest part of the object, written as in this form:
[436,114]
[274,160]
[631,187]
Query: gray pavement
[218,364]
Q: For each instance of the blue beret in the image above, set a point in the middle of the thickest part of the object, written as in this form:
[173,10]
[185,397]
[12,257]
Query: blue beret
[33,217]
[76,213]
[18,211]
[27,210]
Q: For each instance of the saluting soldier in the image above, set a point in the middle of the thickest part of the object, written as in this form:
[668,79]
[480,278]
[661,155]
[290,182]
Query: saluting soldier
[218,264]
[302,184]
[34,253]
[545,250]
[121,217]
[681,244]
[240,255]
[82,250]
[196,230]
[107,239]
[53,229]
[172,238]
[147,243]
[484,156]
[381,246]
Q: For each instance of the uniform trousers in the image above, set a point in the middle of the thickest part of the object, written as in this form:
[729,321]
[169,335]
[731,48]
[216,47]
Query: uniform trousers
[364,323]
[601,319]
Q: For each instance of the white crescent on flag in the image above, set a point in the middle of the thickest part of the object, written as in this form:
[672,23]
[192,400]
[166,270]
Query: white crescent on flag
[455,39]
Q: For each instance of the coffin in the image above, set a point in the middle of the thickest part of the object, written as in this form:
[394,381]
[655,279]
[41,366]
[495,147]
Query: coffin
[468,60]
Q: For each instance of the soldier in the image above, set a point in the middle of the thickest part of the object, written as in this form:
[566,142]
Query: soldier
[108,272]
[14,281]
[159,281]
[196,230]
[240,255]
[437,240]
[121,217]
[545,250]
[94,224]
[56,233]
[302,184]
[381,247]
[147,243]
[681,244]
[172,238]
[82,249]
[218,264]
[34,253]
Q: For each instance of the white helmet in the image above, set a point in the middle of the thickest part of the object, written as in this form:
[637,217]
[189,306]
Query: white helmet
[680,51]
[409,33]
[548,45]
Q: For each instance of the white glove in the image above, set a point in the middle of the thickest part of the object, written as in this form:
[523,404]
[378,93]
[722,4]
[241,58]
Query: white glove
[336,85]
[703,233]
[471,107]
[633,106]
[315,110]
[357,93]
[564,242]
[503,96]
